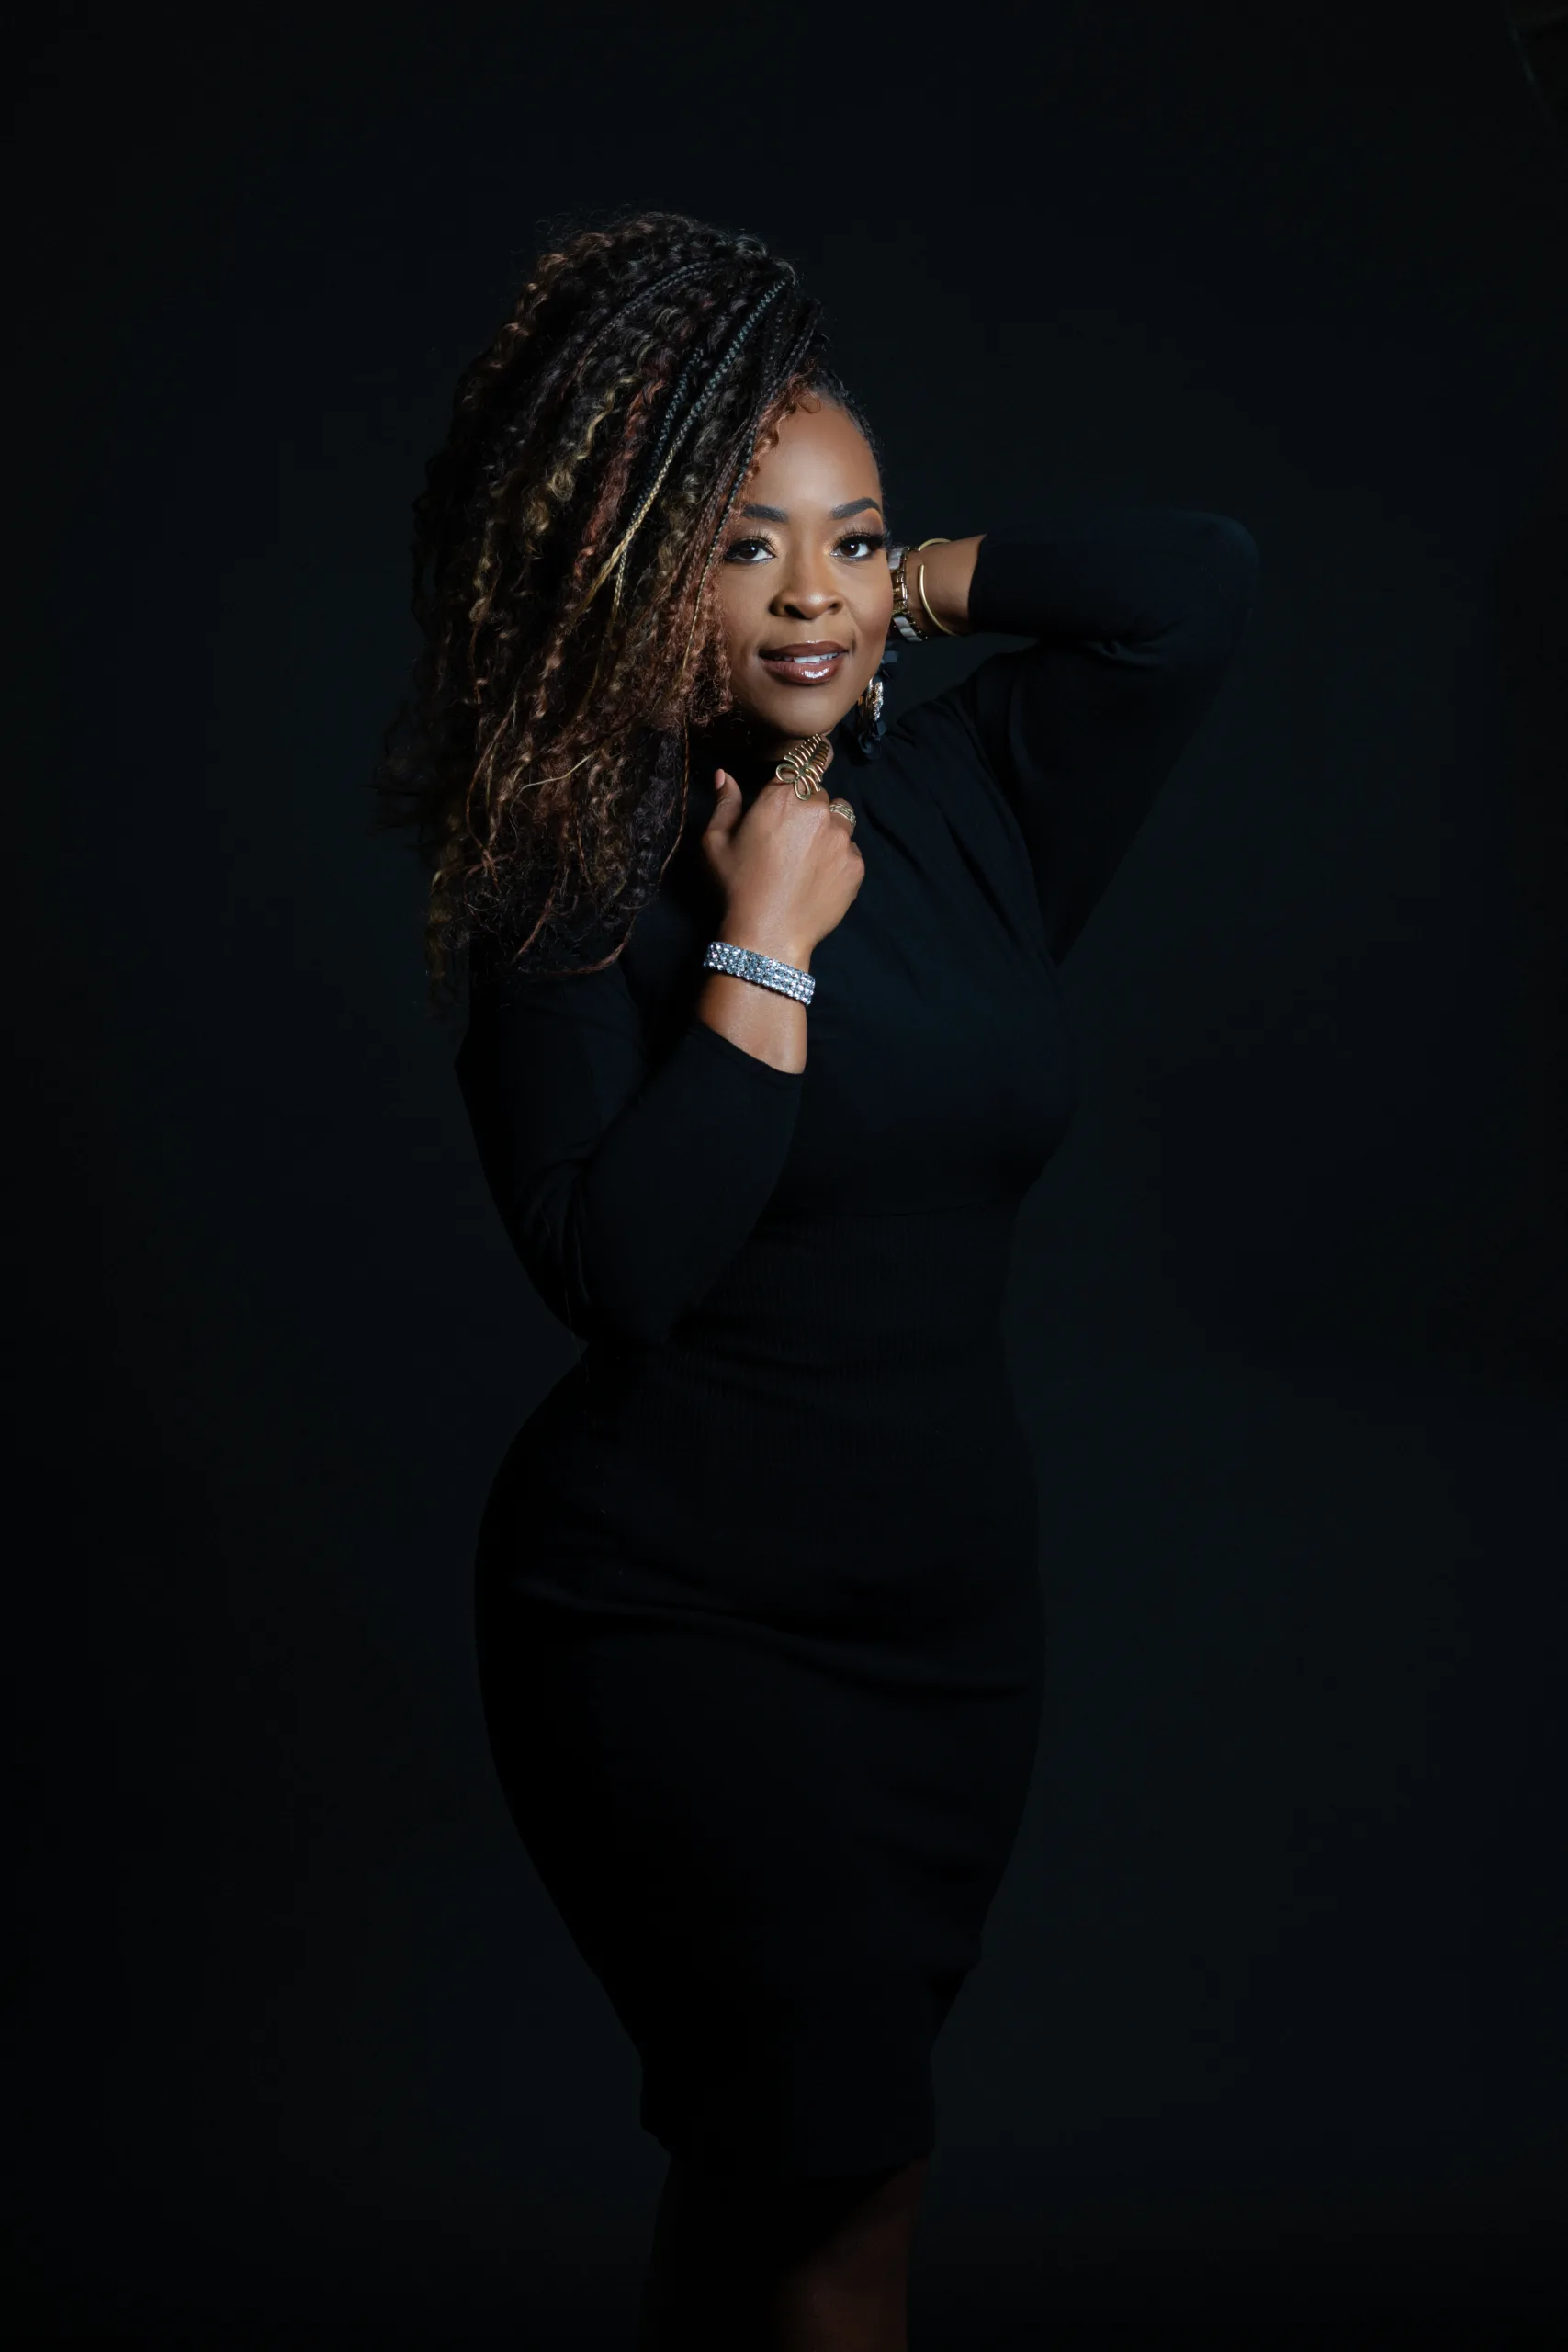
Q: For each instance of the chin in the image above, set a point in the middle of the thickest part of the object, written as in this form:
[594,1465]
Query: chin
[801,713]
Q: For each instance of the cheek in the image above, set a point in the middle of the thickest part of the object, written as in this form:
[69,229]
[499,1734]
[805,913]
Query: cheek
[738,605]
[741,613]
[875,599]
[875,619]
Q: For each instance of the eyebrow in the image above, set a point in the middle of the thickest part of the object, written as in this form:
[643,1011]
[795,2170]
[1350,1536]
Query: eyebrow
[777,514]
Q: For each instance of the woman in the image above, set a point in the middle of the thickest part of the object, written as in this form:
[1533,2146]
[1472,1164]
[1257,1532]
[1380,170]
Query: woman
[761,1061]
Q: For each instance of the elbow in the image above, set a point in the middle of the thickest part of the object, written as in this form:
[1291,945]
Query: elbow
[1218,602]
[1200,615]
[599,1293]
[629,1316]
[1234,565]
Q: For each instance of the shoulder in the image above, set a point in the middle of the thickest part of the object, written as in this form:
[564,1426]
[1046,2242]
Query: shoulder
[936,720]
[943,733]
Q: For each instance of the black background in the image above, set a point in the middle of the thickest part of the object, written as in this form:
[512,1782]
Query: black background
[1268,2044]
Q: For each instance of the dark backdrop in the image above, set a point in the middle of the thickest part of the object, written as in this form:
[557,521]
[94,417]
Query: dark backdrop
[1269,2036]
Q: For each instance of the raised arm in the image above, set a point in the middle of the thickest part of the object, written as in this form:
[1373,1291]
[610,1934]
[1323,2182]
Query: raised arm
[1136,613]
[625,1188]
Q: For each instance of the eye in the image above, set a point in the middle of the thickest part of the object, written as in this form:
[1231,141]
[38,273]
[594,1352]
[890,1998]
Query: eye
[859,545]
[747,551]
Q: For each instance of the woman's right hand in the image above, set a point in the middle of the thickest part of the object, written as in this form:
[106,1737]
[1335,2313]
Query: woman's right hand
[788,869]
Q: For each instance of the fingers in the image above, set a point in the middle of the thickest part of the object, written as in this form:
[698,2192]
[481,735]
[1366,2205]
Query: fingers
[726,806]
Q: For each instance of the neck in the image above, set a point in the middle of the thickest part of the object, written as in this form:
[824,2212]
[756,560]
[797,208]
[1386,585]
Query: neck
[748,750]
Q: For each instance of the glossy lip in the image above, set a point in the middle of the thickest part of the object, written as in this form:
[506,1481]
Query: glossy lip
[788,662]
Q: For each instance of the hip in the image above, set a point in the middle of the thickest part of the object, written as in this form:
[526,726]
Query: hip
[914,1494]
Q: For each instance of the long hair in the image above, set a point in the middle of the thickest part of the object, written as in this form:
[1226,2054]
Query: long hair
[564,555]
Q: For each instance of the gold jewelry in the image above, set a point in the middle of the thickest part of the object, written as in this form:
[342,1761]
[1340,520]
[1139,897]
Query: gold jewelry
[902,621]
[920,585]
[843,808]
[805,764]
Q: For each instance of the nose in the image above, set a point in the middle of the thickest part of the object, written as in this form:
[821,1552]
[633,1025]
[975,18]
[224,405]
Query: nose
[807,588]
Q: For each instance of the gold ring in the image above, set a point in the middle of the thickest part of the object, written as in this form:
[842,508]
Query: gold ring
[842,808]
[805,765]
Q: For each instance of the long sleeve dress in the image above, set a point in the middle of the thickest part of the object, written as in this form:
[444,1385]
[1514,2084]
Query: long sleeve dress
[759,1615]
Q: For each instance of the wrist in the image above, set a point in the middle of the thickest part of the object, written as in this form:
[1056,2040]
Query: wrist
[939,587]
[907,622]
[765,936]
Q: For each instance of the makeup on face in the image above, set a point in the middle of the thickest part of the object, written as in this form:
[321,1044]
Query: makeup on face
[804,591]
[803,658]
[812,662]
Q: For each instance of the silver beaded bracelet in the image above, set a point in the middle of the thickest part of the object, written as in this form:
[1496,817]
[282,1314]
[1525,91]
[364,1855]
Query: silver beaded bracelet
[745,964]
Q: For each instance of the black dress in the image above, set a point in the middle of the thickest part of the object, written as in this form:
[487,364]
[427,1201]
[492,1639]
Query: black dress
[759,1615]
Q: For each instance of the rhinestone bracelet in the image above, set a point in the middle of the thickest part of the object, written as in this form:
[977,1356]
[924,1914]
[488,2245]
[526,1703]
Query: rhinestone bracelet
[746,964]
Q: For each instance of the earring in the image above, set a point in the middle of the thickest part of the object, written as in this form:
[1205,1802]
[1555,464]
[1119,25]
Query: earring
[870,726]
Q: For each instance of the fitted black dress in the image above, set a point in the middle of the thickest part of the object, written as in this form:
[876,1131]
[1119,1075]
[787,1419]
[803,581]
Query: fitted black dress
[759,1617]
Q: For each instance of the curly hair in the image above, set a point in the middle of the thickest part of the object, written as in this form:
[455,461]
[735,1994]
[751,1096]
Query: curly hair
[564,582]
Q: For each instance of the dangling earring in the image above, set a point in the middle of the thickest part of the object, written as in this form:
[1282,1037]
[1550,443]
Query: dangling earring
[870,725]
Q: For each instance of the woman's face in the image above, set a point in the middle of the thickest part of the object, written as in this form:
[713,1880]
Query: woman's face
[805,594]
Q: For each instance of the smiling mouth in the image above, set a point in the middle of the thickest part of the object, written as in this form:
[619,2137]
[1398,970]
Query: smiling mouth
[805,666]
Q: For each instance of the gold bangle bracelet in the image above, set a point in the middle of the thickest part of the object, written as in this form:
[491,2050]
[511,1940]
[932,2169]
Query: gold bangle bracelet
[920,589]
